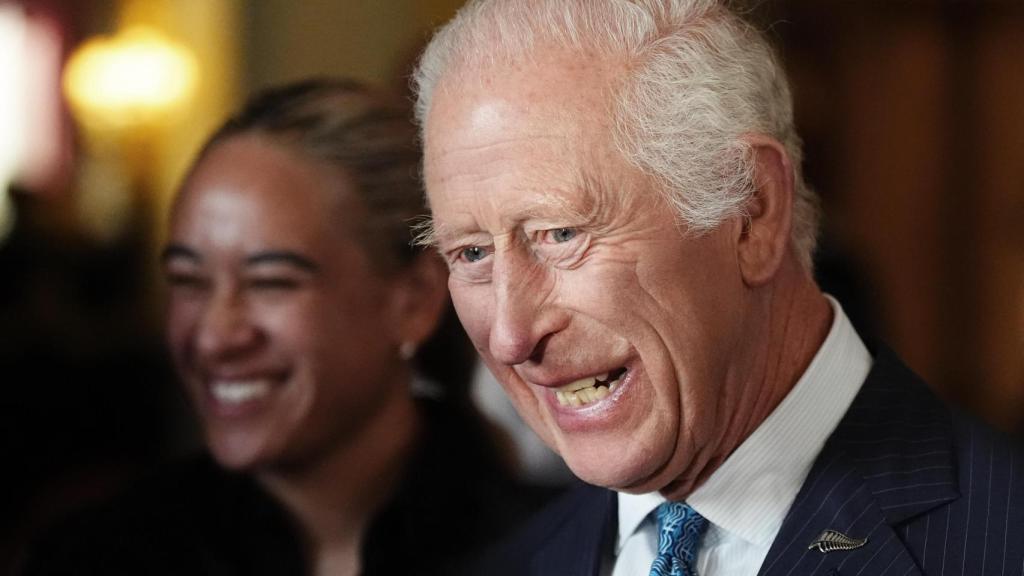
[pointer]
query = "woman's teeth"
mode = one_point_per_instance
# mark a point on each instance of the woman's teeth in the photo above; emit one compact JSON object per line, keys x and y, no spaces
{"x":588,"y":390}
{"x":239,"y":392}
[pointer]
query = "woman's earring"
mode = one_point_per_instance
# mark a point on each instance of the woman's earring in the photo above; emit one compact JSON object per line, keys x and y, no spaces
{"x":406,"y":350}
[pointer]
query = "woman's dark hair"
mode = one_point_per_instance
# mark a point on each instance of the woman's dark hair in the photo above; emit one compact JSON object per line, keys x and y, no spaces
{"x":369,"y":136}
{"x":364,"y":133}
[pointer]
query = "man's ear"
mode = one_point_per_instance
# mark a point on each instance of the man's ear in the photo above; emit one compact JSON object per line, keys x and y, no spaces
{"x":765,"y":236}
{"x":418,"y":299}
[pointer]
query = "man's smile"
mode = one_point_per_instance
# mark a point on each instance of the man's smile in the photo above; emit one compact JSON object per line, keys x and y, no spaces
{"x":590,"y":389}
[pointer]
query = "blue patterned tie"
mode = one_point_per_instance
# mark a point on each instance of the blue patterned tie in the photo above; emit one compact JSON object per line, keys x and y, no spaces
{"x":679,"y":530}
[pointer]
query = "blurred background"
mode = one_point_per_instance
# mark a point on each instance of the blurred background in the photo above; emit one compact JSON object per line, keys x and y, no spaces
{"x":910,"y":109}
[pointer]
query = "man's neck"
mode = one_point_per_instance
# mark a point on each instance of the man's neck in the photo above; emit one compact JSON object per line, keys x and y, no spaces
{"x":789,"y":321}
{"x":798,"y":320}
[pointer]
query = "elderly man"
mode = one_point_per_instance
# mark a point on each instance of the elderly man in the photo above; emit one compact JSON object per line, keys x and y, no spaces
{"x":616,"y":188}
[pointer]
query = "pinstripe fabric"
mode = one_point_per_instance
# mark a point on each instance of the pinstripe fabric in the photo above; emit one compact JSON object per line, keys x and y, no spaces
{"x":570,"y":539}
{"x":934,"y":494}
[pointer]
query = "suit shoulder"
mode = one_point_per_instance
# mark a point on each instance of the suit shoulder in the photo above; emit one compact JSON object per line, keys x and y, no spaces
{"x":938,"y":474}
{"x":988,"y":459}
{"x":581,"y":513}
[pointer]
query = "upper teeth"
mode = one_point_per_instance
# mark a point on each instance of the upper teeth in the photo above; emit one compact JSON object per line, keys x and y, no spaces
{"x":582,"y":383}
{"x":587,"y":390}
{"x":236,"y":392}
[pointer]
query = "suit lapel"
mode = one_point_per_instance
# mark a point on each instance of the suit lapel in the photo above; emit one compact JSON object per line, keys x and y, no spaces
{"x":889,"y":460}
{"x":576,"y":546}
{"x":835,"y":497}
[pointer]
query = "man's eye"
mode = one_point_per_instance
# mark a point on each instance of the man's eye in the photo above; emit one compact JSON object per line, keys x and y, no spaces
{"x":473,"y":254}
{"x":560,"y":235}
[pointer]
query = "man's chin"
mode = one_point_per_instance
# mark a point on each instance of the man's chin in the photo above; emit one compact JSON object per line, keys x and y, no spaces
{"x":626,"y":476}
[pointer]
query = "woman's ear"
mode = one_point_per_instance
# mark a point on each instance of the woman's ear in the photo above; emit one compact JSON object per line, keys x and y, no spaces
{"x":765,"y":235}
{"x":418,"y":299}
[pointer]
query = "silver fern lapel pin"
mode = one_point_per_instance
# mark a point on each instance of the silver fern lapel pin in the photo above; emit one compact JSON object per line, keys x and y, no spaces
{"x":831,"y":540}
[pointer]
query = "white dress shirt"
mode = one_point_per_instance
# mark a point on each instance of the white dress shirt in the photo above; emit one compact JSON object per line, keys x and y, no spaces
{"x":747,"y":498}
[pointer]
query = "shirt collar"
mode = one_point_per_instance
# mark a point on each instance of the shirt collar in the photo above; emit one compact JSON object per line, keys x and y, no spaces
{"x":751,"y":492}
{"x":633,"y":510}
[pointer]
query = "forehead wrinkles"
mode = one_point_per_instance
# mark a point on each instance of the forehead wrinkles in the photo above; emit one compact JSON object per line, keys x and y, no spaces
{"x":503,"y":108}
{"x":549,"y":193}
{"x":555,"y":86}
{"x":600,"y":190}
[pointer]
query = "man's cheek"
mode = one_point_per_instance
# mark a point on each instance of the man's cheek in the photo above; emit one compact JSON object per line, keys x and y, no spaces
{"x":528,"y":404}
{"x":473,"y":311}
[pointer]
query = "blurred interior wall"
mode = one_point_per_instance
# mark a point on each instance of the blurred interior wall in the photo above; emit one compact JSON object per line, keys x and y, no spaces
{"x":212,"y":30}
{"x":915,"y":139}
{"x":371,"y":41}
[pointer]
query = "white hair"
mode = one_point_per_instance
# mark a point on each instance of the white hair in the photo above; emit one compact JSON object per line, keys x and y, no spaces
{"x":699,"y":80}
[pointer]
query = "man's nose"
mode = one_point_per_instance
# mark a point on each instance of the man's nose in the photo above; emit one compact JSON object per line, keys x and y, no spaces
{"x":225,"y":329}
{"x":521,"y":320}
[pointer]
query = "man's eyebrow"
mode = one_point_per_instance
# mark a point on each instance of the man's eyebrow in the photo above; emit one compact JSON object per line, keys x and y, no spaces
{"x":424,"y":233}
{"x":562,"y":203}
{"x":548,"y":207}
{"x":282,"y":257}
{"x":431,"y":234}
{"x":176,"y":251}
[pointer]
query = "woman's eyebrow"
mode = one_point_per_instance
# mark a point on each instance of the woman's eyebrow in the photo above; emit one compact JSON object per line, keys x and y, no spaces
{"x":176,"y":251}
{"x":282,"y":257}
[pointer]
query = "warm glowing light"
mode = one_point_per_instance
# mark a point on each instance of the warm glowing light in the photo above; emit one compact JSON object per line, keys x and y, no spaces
{"x":7,"y":215}
{"x":12,"y":129}
{"x":136,"y":77}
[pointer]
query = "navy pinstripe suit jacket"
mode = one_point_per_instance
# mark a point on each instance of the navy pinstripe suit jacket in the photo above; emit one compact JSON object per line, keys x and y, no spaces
{"x":934,"y":494}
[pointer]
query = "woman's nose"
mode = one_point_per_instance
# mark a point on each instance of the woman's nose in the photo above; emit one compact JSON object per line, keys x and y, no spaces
{"x":225,"y":328}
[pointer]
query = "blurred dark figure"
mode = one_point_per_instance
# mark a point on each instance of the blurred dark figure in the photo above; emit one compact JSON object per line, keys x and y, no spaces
{"x":303,"y":326}
{"x":88,"y":398}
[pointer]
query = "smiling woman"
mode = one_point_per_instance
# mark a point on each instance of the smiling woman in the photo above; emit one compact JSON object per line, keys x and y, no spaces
{"x":296,"y":308}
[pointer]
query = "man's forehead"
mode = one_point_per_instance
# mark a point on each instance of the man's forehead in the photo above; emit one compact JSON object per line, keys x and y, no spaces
{"x":489,"y":114}
{"x":482,"y":124}
{"x":552,"y":84}
{"x":521,"y":144}
{"x":589,"y":197}
{"x":572,"y":198}
{"x":481,"y":118}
